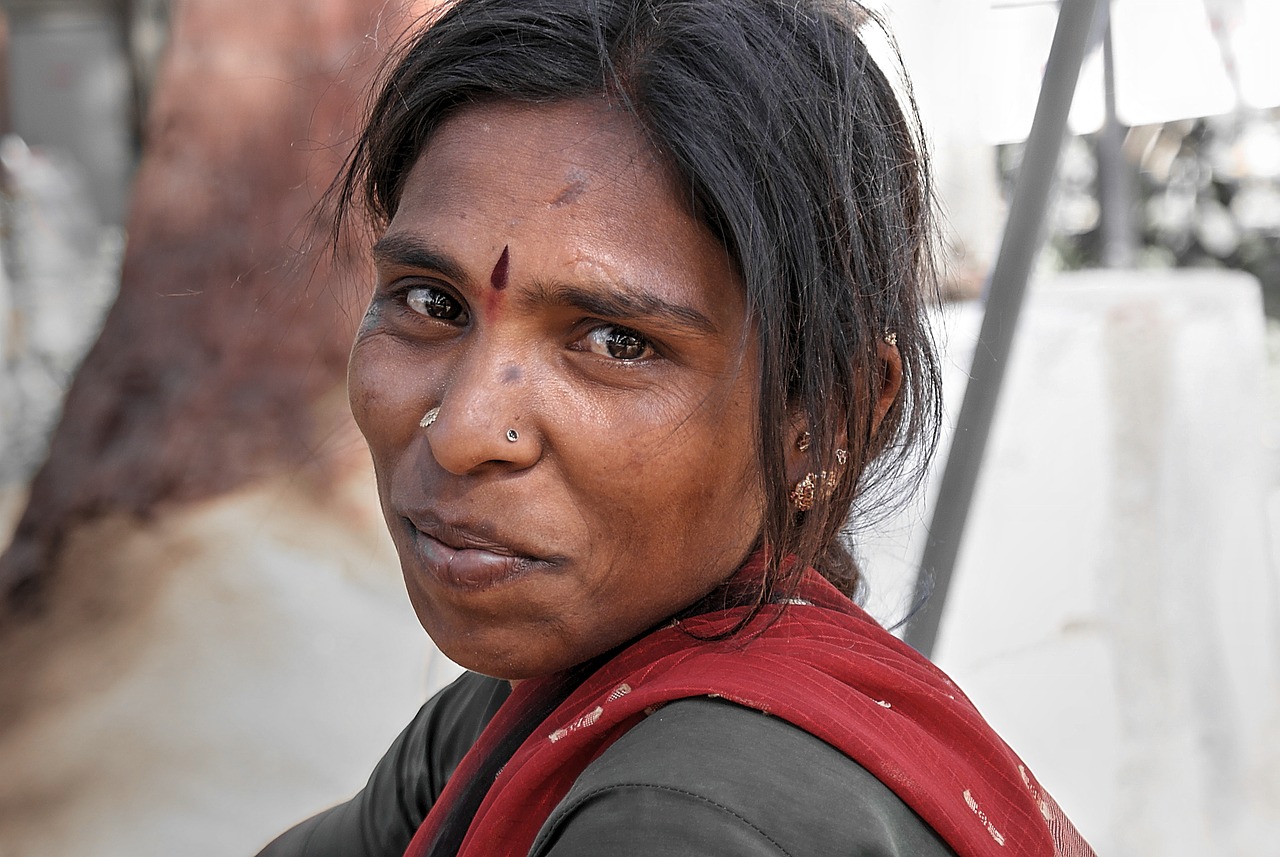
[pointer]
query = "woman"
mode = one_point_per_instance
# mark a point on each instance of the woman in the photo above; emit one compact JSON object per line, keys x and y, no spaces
{"x":647,"y":329}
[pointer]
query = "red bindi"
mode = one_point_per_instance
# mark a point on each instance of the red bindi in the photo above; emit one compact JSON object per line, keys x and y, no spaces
{"x":499,"y":276}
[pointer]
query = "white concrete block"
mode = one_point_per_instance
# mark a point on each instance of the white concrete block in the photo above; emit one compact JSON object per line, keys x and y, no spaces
{"x":1115,"y":608}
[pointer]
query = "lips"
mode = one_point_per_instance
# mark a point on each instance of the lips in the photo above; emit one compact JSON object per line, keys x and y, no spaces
{"x":460,"y":558}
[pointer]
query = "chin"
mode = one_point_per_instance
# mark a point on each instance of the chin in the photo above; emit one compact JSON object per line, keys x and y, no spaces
{"x":504,"y":653}
{"x":506,"y":667}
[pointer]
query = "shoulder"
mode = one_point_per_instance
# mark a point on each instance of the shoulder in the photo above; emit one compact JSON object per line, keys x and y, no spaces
{"x":449,"y":724}
{"x":705,"y":776}
{"x":383,"y":816}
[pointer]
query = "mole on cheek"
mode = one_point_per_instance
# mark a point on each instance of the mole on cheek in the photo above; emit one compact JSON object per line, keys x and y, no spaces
{"x":499,"y":276}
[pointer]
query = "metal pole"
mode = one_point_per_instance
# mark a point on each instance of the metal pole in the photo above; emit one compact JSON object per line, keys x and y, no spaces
{"x":1115,"y":194}
{"x":1019,"y":248}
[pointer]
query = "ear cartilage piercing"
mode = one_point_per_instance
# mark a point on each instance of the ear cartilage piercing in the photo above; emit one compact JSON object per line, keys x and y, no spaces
{"x":891,"y":337}
{"x":429,"y":417}
{"x":803,"y":443}
{"x":512,"y":436}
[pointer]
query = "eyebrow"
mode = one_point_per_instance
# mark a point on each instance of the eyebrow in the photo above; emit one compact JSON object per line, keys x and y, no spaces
{"x":412,"y":252}
{"x":606,"y":299}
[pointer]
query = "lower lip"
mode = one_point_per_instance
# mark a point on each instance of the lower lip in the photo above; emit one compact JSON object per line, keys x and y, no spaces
{"x":469,"y":568}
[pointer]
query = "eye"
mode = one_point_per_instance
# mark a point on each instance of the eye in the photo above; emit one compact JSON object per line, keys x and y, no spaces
{"x":620,"y":343}
{"x":435,"y":303}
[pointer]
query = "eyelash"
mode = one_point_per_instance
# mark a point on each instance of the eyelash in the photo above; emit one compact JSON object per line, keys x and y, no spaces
{"x":438,"y":304}
{"x":640,"y":340}
{"x":434,"y":298}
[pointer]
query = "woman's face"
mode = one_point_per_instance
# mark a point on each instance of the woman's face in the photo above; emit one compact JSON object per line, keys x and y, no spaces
{"x":593,"y":467}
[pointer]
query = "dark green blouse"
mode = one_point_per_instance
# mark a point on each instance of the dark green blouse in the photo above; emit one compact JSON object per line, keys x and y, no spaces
{"x":698,"y":777}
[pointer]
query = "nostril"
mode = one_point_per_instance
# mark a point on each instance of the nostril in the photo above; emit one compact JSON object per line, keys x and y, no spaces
{"x":463,"y":437}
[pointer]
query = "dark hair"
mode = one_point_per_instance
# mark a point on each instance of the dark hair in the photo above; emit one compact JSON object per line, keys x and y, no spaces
{"x":797,"y":154}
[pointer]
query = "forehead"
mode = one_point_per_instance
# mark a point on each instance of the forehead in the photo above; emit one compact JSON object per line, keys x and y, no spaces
{"x":578,"y":145}
{"x":576,"y":192}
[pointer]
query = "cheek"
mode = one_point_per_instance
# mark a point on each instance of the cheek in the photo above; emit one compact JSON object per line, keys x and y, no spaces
{"x":685,"y":486}
{"x":383,"y":391}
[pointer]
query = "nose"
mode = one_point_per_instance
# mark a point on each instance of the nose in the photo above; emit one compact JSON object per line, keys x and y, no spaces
{"x":485,"y":419}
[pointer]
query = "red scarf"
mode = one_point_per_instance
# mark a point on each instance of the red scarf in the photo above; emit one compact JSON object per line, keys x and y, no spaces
{"x":822,"y":665}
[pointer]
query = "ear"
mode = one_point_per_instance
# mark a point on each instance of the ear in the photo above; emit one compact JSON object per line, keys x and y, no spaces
{"x":890,"y":381}
{"x":890,"y":360}
{"x":797,"y":458}
{"x":797,"y":461}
